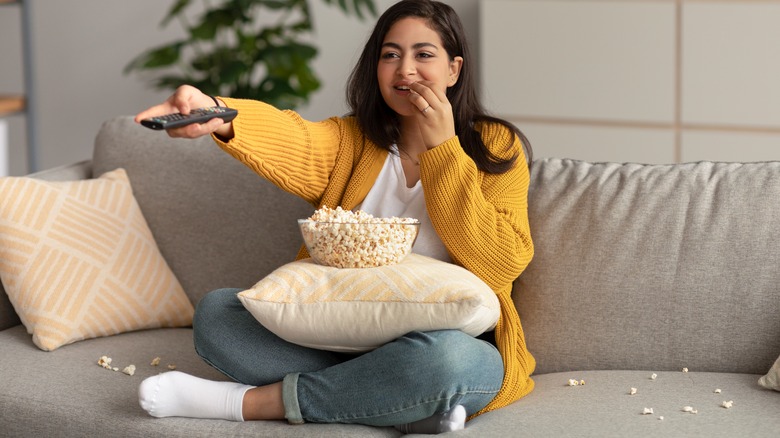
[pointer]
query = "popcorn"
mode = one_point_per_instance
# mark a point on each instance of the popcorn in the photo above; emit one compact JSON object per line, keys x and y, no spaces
{"x":333,"y":238}
{"x":685,"y":370}
{"x":129,"y":370}
{"x":661,"y":418}
{"x":582,"y":382}
{"x":632,"y":391}
{"x":105,"y":362}
{"x":647,"y":411}
{"x":155,"y":361}
{"x":717,"y":391}
{"x":653,"y":376}
{"x":727,"y":404}
{"x":573,"y":382}
{"x":171,"y":366}
{"x":689,"y":409}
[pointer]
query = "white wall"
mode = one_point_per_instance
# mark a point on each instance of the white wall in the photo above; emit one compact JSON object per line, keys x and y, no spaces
{"x":637,"y":80}
{"x":610,"y":80}
{"x":82,"y":46}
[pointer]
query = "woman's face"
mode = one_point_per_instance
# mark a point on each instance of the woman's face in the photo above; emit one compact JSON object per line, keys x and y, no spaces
{"x":413,"y":52}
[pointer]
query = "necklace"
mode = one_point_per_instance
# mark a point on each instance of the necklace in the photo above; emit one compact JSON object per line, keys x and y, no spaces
{"x":408,"y":157}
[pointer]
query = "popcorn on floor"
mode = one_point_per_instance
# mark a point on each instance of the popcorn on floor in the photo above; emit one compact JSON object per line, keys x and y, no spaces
{"x":105,"y":362}
{"x":129,"y":370}
{"x":727,"y":404}
{"x":155,"y":361}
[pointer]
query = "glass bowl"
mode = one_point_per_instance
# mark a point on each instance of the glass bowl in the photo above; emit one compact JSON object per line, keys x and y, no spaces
{"x":359,"y":245}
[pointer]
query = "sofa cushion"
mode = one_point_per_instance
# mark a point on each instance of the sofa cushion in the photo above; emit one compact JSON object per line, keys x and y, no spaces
{"x":78,"y":261}
{"x":653,"y":266}
{"x":359,"y":309}
{"x":237,"y":226}
{"x":604,"y":408}
{"x":65,"y":392}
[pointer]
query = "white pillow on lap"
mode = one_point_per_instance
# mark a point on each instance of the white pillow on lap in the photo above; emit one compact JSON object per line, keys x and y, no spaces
{"x":356,"y":310}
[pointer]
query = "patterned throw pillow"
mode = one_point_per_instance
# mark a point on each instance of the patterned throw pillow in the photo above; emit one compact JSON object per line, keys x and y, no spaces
{"x":359,"y":309}
{"x":78,"y":261}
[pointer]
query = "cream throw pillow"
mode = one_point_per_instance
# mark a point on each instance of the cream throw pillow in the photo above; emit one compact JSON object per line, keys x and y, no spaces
{"x":78,"y":261}
{"x":354,"y":310}
{"x":772,"y":379}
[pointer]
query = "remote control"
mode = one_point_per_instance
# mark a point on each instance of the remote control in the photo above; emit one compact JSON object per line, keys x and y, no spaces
{"x":200,"y":115}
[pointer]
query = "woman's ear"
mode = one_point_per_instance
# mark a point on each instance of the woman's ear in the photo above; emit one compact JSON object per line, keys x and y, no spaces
{"x":455,"y":65}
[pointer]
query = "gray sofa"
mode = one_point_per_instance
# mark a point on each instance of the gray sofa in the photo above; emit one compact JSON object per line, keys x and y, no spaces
{"x":639,"y":270}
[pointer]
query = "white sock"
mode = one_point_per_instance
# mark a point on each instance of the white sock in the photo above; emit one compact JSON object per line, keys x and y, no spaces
{"x":176,"y":394}
{"x":450,"y":421}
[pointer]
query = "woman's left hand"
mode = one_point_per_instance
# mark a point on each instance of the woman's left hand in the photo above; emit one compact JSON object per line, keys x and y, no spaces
{"x":435,"y":119}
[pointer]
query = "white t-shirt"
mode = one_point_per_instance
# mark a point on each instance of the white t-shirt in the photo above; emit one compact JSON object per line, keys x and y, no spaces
{"x":390,"y":197}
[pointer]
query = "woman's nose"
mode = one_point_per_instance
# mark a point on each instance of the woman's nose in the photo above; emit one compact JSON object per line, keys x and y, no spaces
{"x":407,"y":67}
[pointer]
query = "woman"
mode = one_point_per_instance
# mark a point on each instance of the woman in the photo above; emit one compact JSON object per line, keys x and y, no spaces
{"x":416,"y":143}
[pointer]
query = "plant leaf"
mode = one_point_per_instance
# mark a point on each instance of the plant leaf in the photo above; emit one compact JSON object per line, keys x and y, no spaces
{"x":278,"y":4}
{"x":368,"y":4}
{"x":211,"y":22}
{"x":156,"y":58}
{"x":175,"y":10}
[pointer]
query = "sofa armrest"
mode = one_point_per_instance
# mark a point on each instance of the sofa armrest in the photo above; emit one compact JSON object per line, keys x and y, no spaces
{"x":70,"y":172}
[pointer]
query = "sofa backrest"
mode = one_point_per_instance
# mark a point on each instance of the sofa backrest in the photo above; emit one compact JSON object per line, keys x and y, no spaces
{"x":653,"y":267}
{"x":216,"y":222}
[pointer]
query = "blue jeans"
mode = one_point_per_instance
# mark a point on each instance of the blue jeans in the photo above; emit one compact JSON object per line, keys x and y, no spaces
{"x":411,"y":378}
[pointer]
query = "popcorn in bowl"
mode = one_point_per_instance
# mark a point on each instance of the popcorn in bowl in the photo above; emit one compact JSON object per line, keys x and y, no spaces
{"x":347,"y":239}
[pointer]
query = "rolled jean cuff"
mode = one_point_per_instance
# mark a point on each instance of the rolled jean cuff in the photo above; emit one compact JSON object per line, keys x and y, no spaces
{"x":292,"y":410}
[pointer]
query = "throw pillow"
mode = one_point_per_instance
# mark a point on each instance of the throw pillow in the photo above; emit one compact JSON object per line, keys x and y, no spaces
{"x":772,"y":379}
{"x":359,"y":309}
{"x":78,"y":261}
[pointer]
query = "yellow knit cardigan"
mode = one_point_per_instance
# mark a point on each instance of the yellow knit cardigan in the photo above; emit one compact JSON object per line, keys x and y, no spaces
{"x":481,"y":218}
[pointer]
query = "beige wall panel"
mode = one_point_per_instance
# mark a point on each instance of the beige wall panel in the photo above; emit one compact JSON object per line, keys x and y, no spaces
{"x":731,"y":67}
{"x":579,"y":59}
{"x":730,"y":146}
{"x":595,"y":143}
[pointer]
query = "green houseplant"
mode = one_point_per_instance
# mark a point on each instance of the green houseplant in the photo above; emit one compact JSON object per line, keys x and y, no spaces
{"x":254,"y":49}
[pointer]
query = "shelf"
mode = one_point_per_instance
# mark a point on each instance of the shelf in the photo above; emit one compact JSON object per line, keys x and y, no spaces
{"x":11,"y":104}
{"x":24,"y":104}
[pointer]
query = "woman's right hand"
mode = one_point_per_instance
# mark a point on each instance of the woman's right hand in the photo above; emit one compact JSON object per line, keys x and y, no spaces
{"x":183,"y":100}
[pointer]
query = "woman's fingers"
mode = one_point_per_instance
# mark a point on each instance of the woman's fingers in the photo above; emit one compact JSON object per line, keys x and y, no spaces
{"x":196,"y":130}
{"x":157,"y":110}
{"x":437,"y":123}
{"x":183,"y":100}
{"x":424,"y":96}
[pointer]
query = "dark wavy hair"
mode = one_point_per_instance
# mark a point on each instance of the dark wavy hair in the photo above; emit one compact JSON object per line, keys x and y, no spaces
{"x":382,"y":125}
